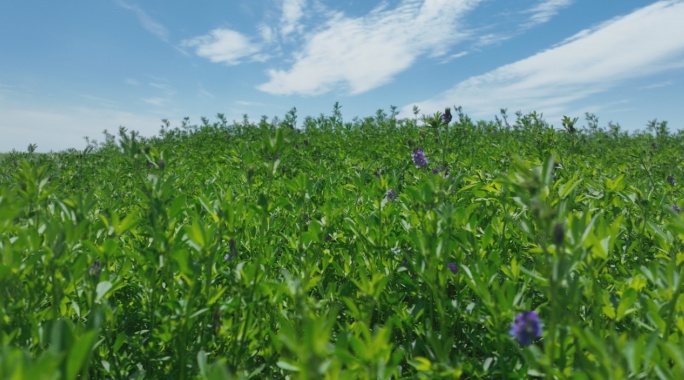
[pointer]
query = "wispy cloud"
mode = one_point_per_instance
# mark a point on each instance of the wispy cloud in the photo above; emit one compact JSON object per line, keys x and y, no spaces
{"x":658,"y":85}
{"x":147,"y":22}
{"x":591,"y":62}
{"x":245,"y":103}
{"x":366,"y":52}
{"x":100,"y":101}
{"x":222,"y":46}
{"x":544,"y":11}
{"x":492,"y":39}
{"x":202,"y":92}
{"x":267,"y":34}
{"x":455,"y":56}
{"x":156,"y":101}
{"x":293,"y":10}
{"x":162,"y":86}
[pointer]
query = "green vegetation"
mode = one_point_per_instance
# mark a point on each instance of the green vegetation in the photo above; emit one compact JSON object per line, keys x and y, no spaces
{"x":377,"y":248}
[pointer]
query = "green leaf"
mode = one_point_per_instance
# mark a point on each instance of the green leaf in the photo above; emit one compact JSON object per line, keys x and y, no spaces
{"x":202,"y":363}
{"x":102,"y":289}
{"x":421,"y":364}
{"x":129,"y":222}
{"x":608,"y":310}
{"x":288,"y":366}
{"x":79,"y":353}
{"x":628,"y":298}
{"x":195,"y":233}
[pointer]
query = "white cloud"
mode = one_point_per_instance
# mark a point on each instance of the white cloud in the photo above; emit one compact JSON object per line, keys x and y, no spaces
{"x":266,"y":33}
{"x":156,"y":101}
{"x":640,"y":44}
{"x":245,"y":103}
{"x":545,"y":10}
{"x":292,"y":13}
{"x":366,"y":52}
{"x":163,"y":87}
{"x":455,"y":56}
{"x":100,"y":101}
{"x":658,"y":85}
{"x":222,"y":46}
{"x":205,"y":94}
{"x":146,"y":21}
{"x":492,"y":39}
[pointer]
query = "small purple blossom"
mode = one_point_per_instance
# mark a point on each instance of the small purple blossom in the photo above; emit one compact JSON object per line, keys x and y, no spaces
{"x":96,"y":268}
{"x":526,"y":327}
{"x":671,"y":181}
{"x":391,"y":195}
{"x":453,"y":267}
{"x":440,"y":169}
{"x":676,"y":208}
{"x":419,"y":158}
{"x":227,"y":257}
{"x":446,"y":116}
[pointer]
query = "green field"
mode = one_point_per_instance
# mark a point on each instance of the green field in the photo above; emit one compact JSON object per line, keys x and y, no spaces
{"x":325,"y":248}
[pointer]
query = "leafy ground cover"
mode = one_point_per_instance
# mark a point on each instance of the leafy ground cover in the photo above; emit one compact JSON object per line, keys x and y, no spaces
{"x":377,"y":248}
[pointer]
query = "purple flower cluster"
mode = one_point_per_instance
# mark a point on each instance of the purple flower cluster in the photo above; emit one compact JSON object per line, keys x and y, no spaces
{"x":440,"y":169}
{"x":96,"y":268}
{"x":676,"y":208}
{"x":419,"y":158}
{"x":526,"y":328}
{"x":671,"y":181}
{"x":453,"y":267}
{"x":391,"y":195}
{"x":446,"y":116}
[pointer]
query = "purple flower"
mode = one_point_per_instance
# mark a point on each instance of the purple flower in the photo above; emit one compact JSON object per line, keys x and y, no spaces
{"x":446,"y":116}
{"x":227,"y":257}
{"x":453,"y":268}
{"x":96,"y":268}
{"x":676,"y":208}
{"x":419,"y":158}
{"x":440,"y":169}
{"x":526,"y":327}
{"x":391,"y":195}
{"x":671,"y":181}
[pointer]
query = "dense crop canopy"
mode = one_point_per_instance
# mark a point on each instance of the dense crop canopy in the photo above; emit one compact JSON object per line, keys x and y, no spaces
{"x":374,"y":249}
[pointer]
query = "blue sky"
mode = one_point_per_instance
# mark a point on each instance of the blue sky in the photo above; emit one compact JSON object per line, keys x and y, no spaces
{"x":70,"y":69}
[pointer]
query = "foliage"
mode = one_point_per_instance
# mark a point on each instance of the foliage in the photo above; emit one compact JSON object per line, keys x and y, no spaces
{"x":267,"y":251}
